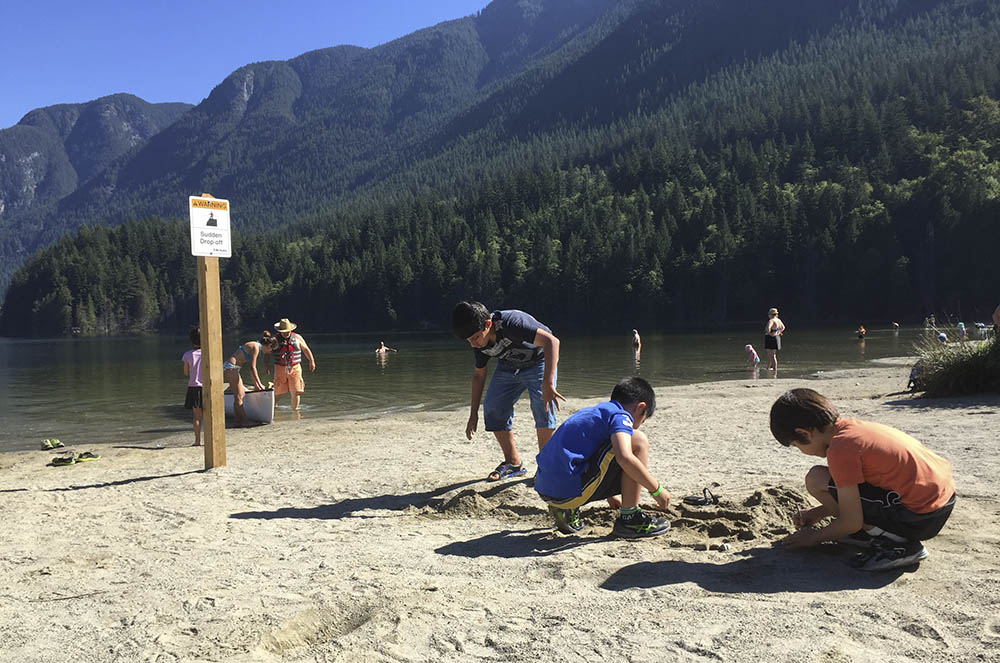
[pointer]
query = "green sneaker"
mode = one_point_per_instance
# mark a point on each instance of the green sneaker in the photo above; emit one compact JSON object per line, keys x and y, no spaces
{"x":640,"y":524}
{"x":567,"y":520}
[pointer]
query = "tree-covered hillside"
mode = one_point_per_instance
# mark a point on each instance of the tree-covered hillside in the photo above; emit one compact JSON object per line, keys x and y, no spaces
{"x":836,"y":159}
{"x":53,"y":150}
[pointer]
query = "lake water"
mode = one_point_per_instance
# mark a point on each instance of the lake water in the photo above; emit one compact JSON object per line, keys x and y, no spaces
{"x":131,"y":390}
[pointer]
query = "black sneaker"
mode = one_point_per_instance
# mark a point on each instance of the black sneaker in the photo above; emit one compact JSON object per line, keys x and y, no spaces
{"x":895,"y":556}
{"x":860,"y":539}
{"x":639,"y":524}
{"x":567,"y":520}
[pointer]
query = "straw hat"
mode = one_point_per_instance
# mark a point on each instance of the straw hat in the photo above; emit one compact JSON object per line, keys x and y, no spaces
{"x":772,"y":311}
{"x":285,"y":325}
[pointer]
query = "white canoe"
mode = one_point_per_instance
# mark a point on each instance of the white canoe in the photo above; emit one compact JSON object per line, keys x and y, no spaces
{"x":259,"y":405}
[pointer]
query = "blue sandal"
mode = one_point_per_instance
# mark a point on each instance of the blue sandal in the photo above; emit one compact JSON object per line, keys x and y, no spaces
{"x":506,"y":470}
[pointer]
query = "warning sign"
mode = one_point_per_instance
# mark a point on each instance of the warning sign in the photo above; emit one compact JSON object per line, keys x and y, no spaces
{"x":210,"y":227}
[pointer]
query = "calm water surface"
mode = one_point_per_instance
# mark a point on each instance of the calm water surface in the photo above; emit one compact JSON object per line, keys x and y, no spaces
{"x":127,"y":390}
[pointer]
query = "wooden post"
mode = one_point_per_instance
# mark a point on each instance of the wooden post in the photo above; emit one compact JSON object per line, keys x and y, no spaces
{"x":210,"y":319}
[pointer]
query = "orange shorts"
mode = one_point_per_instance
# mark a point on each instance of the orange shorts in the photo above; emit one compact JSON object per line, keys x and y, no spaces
{"x":286,"y":379}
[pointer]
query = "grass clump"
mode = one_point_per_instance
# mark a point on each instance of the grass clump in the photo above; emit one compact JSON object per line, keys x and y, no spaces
{"x":956,"y":369}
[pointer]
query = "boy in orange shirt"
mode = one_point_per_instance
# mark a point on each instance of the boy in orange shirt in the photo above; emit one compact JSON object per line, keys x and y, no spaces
{"x":884,"y":490}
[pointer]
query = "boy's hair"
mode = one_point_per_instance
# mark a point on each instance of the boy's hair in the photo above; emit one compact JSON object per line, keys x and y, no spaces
{"x":635,"y":390}
{"x":268,"y":339}
{"x":800,"y":408}
{"x":467,"y":318}
{"x":195,"y":336}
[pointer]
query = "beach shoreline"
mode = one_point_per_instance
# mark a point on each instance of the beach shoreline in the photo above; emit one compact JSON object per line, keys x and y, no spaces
{"x":376,"y":539}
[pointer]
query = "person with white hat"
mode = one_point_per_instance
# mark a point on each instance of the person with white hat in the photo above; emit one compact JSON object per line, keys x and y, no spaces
{"x":288,"y":362}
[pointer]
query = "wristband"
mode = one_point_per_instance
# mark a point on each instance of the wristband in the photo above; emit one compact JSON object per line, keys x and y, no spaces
{"x":659,"y":489}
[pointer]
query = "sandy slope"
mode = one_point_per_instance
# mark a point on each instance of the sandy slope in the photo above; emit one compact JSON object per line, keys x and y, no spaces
{"x":375,"y":541}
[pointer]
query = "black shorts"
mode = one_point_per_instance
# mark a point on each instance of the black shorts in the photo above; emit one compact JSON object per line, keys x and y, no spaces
{"x":602,"y":479}
{"x":882,"y":508}
{"x":772,"y":342}
{"x":192,"y":399}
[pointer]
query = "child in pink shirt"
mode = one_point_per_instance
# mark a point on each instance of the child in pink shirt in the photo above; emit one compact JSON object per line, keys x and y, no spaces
{"x":192,"y":369}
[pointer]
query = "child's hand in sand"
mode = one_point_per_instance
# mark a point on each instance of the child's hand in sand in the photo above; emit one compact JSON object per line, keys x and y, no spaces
{"x":807,"y":517}
{"x":802,"y":538}
{"x":663,"y":499}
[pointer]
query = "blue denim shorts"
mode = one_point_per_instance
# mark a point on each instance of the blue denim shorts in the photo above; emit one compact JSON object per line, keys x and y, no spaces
{"x":506,"y":387}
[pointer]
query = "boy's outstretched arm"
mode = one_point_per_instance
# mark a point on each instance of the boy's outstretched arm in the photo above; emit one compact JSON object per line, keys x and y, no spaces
{"x":478,"y":382}
{"x":550,"y":344}
{"x":849,"y":520}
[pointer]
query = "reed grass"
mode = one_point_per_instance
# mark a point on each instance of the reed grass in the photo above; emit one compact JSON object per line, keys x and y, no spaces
{"x":957,"y":369}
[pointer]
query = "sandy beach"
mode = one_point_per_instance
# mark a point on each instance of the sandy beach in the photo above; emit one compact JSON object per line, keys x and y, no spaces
{"x":378,"y":540}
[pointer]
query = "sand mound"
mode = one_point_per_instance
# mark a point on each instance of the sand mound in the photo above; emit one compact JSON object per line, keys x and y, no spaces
{"x":764,"y":514}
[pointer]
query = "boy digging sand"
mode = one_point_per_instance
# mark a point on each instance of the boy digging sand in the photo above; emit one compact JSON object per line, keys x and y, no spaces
{"x":527,"y":354}
{"x":597,"y":454}
{"x":884,"y":490}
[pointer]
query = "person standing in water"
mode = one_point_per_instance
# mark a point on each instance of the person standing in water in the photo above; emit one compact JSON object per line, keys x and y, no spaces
{"x":288,"y":362}
{"x":772,"y":339}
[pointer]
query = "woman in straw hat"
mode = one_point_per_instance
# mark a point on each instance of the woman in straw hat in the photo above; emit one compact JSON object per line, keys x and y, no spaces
{"x":288,"y":362}
{"x":772,"y":339}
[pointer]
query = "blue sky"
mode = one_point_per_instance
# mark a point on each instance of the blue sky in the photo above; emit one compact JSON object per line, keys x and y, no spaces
{"x":61,"y":51}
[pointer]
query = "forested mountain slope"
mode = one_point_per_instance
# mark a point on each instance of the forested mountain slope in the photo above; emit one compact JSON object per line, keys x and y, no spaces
{"x":53,"y":150}
{"x":662,"y":162}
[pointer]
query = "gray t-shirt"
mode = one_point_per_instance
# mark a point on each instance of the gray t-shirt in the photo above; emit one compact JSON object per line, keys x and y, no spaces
{"x":515,"y":331}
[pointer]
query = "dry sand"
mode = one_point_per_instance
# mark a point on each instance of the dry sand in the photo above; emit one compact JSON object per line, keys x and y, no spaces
{"x":376,"y":540}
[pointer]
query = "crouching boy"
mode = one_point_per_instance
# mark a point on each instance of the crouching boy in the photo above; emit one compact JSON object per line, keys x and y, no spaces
{"x":597,"y":454}
{"x":885,"y":491}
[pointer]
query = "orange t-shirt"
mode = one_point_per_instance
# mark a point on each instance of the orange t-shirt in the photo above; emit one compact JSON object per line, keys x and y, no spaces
{"x":866,"y":452}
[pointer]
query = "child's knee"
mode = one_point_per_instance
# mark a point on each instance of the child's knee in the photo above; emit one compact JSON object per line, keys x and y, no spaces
{"x":640,"y":444}
{"x":817,"y":478}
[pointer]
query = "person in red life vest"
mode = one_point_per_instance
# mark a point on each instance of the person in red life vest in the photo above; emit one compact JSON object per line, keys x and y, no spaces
{"x":288,"y":362}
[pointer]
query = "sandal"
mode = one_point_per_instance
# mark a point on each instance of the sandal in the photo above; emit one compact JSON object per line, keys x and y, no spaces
{"x":63,"y":460}
{"x":506,"y":470}
{"x":86,"y":455}
{"x":704,"y":499}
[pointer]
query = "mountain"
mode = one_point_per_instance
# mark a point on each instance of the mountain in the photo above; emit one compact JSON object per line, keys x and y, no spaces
{"x":54,"y":150}
{"x":610,"y":149}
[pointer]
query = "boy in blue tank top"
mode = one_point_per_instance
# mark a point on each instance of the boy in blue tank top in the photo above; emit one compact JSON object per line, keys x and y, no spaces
{"x":597,"y":454}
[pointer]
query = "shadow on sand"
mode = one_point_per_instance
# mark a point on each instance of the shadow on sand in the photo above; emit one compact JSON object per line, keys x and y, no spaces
{"x":510,"y":544}
{"x":122,"y":482}
{"x":352,"y":507}
{"x":765,"y":570}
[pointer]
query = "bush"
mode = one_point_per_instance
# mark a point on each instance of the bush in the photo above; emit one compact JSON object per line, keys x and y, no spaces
{"x":954,"y":369}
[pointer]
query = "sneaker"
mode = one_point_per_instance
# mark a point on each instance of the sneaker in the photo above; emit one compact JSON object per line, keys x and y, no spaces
{"x":860,"y":539}
{"x":639,"y":524}
{"x":895,"y":556}
{"x":64,"y":460}
{"x":567,"y":520}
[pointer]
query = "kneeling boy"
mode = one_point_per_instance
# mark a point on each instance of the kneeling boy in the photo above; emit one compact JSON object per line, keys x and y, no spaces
{"x":884,"y":490}
{"x":597,"y":454}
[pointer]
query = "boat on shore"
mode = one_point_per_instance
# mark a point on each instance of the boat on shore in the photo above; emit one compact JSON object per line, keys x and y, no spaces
{"x":259,"y":405}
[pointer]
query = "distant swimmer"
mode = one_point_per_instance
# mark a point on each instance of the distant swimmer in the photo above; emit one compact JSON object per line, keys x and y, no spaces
{"x":383,"y":348}
{"x":862,"y":332}
{"x":636,"y":341}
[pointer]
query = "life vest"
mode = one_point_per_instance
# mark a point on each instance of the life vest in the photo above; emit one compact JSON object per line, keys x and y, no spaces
{"x":288,"y":353}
